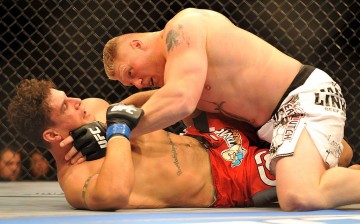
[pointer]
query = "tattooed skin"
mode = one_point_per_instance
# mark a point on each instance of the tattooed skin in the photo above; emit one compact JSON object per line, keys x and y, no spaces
{"x":224,"y":112}
{"x":174,"y":155}
{"x":171,"y":40}
{"x":174,"y":38}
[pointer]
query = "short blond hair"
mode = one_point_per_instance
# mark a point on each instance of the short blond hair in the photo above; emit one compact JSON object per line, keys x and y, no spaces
{"x":109,"y":54}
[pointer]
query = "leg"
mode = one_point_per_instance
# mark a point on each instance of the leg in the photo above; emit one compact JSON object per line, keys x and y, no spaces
{"x":346,"y":155}
{"x":304,"y":183}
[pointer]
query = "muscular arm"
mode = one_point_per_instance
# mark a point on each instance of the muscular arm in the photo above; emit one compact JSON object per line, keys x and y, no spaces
{"x":139,"y":99}
{"x":112,"y":187}
{"x":184,"y":76}
{"x":112,"y":177}
{"x":116,"y":178}
{"x":103,"y":184}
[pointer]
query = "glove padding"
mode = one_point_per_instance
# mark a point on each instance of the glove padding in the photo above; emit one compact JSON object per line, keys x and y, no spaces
{"x":90,"y":140}
{"x":121,"y":119}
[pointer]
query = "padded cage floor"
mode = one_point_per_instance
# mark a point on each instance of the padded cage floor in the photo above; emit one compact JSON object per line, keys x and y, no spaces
{"x":44,"y":202}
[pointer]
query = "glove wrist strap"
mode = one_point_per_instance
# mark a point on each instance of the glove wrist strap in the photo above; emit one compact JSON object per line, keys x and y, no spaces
{"x":118,"y":129}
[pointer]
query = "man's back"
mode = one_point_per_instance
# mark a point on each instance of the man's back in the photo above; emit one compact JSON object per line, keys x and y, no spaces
{"x":239,"y":64}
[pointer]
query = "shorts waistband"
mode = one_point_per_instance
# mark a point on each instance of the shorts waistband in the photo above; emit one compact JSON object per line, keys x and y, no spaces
{"x":299,"y":80}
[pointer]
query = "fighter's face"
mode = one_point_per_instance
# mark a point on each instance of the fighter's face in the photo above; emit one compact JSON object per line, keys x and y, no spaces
{"x":133,"y":67}
{"x":68,"y":113}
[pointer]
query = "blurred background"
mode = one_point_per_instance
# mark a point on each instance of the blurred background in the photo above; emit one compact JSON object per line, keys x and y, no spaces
{"x":63,"y":41}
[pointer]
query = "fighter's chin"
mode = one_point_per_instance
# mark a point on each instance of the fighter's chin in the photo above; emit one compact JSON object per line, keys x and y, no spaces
{"x":87,"y":120}
{"x":88,"y":117}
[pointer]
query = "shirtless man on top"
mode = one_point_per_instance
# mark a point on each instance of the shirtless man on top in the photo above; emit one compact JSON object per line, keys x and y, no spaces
{"x":202,"y":60}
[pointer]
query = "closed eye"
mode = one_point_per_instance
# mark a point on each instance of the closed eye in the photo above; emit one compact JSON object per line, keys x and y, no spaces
{"x":130,"y":74}
{"x":64,"y":107}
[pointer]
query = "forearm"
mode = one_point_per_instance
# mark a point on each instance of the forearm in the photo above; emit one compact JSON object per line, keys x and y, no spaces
{"x":162,"y":110}
{"x":116,"y":178}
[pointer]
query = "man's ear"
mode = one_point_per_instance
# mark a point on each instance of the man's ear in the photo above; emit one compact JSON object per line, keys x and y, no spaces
{"x":137,"y":44}
{"x":51,"y":135}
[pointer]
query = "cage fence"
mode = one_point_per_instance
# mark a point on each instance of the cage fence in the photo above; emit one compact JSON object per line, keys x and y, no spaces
{"x":63,"y":41}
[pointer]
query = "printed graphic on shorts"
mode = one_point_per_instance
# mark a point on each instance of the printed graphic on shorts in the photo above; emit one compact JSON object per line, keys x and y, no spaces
{"x":262,"y":160}
{"x":286,"y":121}
{"x":236,"y":152}
{"x":331,"y":98}
{"x":334,"y":148}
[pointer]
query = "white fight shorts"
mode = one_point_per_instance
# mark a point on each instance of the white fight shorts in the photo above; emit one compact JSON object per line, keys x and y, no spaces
{"x":317,"y":105}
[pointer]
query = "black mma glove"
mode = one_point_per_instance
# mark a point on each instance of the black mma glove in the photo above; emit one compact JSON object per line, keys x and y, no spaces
{"x":90,"y":140}
{"x":121,"y":119}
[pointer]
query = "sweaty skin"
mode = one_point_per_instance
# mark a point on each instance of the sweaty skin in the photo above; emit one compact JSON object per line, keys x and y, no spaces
{"x":162,"y":171}
{"x":204,"y":61}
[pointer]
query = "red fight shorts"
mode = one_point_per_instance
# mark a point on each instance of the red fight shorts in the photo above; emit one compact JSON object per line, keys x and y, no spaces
{"x":239,"y":170}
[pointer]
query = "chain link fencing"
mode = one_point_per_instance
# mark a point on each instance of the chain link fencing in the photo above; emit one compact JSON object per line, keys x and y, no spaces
{"x":63,"y":41}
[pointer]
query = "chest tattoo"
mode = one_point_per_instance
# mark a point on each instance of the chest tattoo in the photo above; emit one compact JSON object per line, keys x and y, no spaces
{"x":174,"y":155}
{"x":219,"y":108}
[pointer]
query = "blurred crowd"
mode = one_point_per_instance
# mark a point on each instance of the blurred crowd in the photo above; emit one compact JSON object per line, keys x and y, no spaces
{"x":16,"y":165}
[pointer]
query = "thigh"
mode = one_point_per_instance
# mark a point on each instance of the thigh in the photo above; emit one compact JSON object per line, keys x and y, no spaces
{"x":302,"y":171}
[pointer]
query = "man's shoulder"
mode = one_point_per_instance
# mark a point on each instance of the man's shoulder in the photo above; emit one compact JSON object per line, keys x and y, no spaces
{"x":186,"y":14}
{"x":187,"y":20}
{"x":189,"y":11}
{"x":97,"y":107}
{"x":90,"y":101}
{"x":95,"y":104}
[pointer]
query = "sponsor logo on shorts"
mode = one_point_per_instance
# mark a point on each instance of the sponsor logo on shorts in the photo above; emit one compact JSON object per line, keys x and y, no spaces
{"x":331,"y":98}
{"x":334,"y":149}
{"x":236,"y":152}
{"x":286,"y":123}
{"x":262,"y":160}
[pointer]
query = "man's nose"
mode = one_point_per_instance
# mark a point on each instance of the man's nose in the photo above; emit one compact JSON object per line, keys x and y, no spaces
{"x":76,"y":102}
{"x":137,"y":83}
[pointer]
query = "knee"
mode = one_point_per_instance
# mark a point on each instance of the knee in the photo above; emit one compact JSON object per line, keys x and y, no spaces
{"x":294,"y":201}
